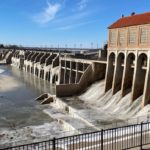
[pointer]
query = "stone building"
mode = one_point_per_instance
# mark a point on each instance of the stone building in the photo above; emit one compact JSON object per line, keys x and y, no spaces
{"x":128,"y":67}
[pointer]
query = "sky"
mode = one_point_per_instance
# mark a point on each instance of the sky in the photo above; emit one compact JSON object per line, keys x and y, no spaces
{"x":62,"y":23}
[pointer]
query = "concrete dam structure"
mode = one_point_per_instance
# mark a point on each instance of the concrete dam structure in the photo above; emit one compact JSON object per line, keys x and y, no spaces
{"x":127,"y":68}
{"x":77,"y":74}
{"x":70,"y":74}
{"x":38,"y":63}
{"x":128,"y":57}
{"x":94,"y":88}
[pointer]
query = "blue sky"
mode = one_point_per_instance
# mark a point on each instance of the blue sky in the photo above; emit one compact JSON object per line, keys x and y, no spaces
{"x":60,"y":22}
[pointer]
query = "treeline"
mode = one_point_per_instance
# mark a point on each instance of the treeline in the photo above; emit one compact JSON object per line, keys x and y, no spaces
{"x":10,"y":46}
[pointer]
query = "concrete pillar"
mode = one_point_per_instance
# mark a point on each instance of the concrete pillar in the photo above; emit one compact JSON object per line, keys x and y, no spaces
{"x":60,"y":73}
{"x":118,"y":74}
{"x":49,"y":75}
{"x":109,"y":72}
{"x":64,"y":73}
{"x":25,"y":67}
{"x":77,"y":68}
{"x":70,"y":75}
{"x":146,"y":95}
{"x":37,"y":72}
{"x":128,"y":74}
{"x":67,"y":72}
{"x":83,"y":66}
{"x":73,"y":72}
{"x":42,"y":74}
{"x":45,"y":74}
{"x":34,"y":70}
{"x":39,"y":75}
{"x":61,"y":76}
{"x":139,"y":78}
{"x":29,"y":68}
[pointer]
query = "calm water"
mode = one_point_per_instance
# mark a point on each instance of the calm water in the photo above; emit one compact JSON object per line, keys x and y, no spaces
{"x":17,"y":93}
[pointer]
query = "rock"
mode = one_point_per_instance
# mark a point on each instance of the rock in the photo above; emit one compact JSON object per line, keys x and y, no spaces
{"x":48,"y":100}
{"x":41,"y":97}
{"x":2,"y":135}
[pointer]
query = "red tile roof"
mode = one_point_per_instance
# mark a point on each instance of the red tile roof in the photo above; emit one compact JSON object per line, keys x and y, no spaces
{"x":131,"y":21}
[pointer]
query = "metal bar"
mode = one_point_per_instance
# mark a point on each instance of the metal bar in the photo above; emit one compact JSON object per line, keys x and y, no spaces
{"x":141,"y":136}
{"x":102,"y":139}
{"x":54,"y":144}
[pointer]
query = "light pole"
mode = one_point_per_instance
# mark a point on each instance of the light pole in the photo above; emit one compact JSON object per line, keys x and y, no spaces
{"x":91,"y":45}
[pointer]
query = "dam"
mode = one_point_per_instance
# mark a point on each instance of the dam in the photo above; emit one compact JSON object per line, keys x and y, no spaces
{"x":98,"y":88}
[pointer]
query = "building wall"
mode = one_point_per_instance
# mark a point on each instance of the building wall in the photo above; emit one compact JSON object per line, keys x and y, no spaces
{"x":128,"y":67}
{"x":130,"y":38}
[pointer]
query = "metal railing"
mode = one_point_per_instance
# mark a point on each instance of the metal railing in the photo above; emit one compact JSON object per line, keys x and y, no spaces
{"x":120,"y":138}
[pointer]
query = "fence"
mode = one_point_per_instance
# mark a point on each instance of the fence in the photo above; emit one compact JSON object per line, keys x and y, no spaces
{"x":120,"y":138}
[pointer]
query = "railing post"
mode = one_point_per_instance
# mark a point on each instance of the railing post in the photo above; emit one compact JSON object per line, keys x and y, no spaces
{"x":102,"y":139}
{"x":54,"y":144}
{"x":141,"y":142}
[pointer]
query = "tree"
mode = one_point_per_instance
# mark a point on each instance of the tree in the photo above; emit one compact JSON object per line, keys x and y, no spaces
{"x":1,"y":46}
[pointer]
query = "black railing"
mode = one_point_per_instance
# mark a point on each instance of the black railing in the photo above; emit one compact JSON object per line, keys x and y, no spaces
{"x":120,"y":138}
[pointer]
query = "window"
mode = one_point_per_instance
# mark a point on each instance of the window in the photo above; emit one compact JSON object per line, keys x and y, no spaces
{"x":113,"y":37}
{"x":144,"y":35}
{"x":122,"y":38}
{"x":132,"y":37}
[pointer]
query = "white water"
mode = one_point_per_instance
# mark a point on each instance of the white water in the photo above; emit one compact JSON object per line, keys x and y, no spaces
{"x":103,"y":109}
{"x":1,"y":71}
{"x":30,"y":134}
{"x":113,"y":106}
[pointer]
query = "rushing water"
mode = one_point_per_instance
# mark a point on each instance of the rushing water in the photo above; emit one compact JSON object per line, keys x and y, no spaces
{"x":18,"y":91}
{"x":101,"y":108}
{"x":115,"y":105}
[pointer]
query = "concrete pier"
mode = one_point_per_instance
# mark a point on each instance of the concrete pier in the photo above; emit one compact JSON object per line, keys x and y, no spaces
{"x":128,"y":77}
{"x":77,"y":74}
{"x":71,"y":75}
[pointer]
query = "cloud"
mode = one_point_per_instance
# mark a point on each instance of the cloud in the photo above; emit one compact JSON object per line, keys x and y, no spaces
{"x":48,"y":14}
{"x":72,"y":17}
{"x":82,"y":4}
{"x":71,"y":26}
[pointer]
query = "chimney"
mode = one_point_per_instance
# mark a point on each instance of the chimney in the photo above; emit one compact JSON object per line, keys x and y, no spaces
{"x":133,"y":13}
{"x":122,"y":16}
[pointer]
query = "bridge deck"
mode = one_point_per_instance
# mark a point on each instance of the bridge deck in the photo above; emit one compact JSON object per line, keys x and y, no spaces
{"x":85,"y":60}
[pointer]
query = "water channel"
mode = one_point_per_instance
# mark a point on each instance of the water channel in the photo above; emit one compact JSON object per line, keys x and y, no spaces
{"x":18,"y":91}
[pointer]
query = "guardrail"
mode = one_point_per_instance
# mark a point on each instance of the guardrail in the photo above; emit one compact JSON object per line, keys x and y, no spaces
{"x":120,"y":138}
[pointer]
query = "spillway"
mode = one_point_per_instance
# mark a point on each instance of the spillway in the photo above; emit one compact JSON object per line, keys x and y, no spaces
{"x":115,"y":105}
{"x":101,"y":108}
{"x":109,"y":103}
